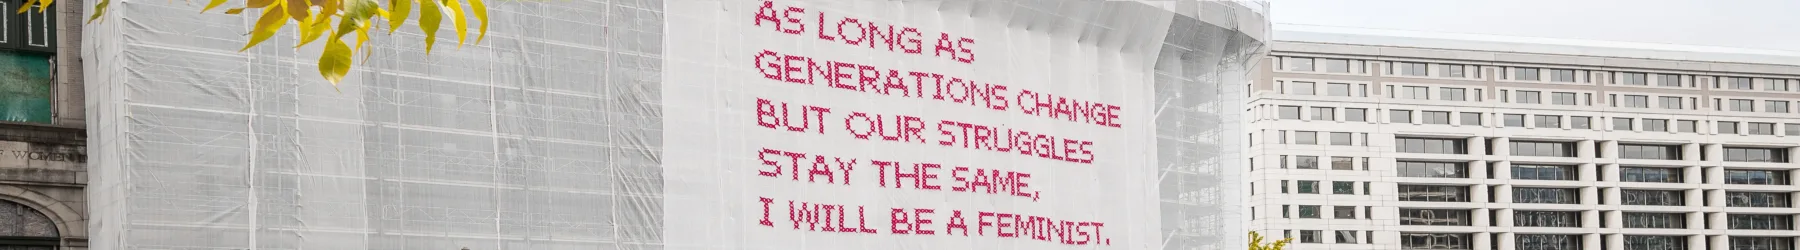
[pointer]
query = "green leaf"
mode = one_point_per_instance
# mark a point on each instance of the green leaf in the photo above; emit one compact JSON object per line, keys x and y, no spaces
{"x":334,"y":63}
{"x":481,"y":14}
{"x":272,"y":20}
{"x":399,"y":11}
{"x":462,"y":21}
{"x":213,"y":4}
{"x":99,"y":9}
{"x":430,"y":16}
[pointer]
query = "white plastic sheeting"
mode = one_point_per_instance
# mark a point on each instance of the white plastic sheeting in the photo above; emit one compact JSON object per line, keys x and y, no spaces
{"x":624,"y":124}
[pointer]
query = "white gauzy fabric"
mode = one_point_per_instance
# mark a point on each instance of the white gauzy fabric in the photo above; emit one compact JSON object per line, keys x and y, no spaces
{"x":642,"y":124}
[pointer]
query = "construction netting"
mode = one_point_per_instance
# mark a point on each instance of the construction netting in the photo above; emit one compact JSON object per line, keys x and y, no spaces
{"x":692,"y":124}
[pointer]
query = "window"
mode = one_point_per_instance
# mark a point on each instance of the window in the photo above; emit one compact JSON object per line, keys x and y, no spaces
{"x":1656,"y":125}
{"x":1310,"y":236}
{"x":1656,"y":242}
{"x":1452,"y":71}
{"x":1641,"y":197}
{"x":1728,"y":128}
{"x":1439,"y":241}
{"x":1337,"y":89}
{"x":1543,"y":172}
{"x":1633,"y":79}
{"x":1652,"y":152}
{"x":1549,"y":121}
{"x":1542,"y":148}
{"x":1650,"y":174}
{"x":1562,"y":98}
{"x":1343,"y":187}
{"x":1399,"y":116}
{"x":1636,"y":101}
{"x":1667,"y":80}
{"x":1761,"y":243}
{"x":1758,"y":199}
{"x":1323,"y":113}
{"x":1756,"y":154}
{"x":1284,"y":188}
{"x":1306,"y":162}
{"x":1514,"y":120}
{"x":1337,"y":65}
{"x":1776,"y":106}
{"x":1290,"y":112}
{"x":1762,"y":128}
{"x":1308,"y":187}
{"x":1281,"y":138}
{"x":1529,"y":218}
{"x":1432,"y":169}
{"x":1760,"y":221}
{"x":1416,"y":92}
{"x":1342,"y":163}
{"x":1355,"y":115}
{"x":1686,"y":126}
{"x":1562,"y":75}
{"x":1430,"y":145}
{"x":1756,"y":177}
{"x":1302,"y":88}
{"x":1306,"y":137}
{"x":1346,"y":236}
{"x":1655,"y":220}
{"x":1436,"y":117}
{"x":1581,"y":122}
{"x":1741,"y":83}
{"x":1343,"y":212}
{"x":1777,"y":85}
{"x":1452,"y":94}
{"x":1621,"y":124}
{"x":1525,"y":74}
{"x":1429,"y":193}
{"x":1546,"y":195}
{"x":1340,"y":138}
{"x":1527,"y":97}
{"x":1434,"y":217}
{"x":1743,"y":105}
{"x":23,"y":227}
{"x":1300,"y":64}
{"x":1547,"y":242}
{"x":1792,"y":129}
{"x":1309,"y":211}
{"x":1411,"y":69}
{"x":1669,"y":102}
{"x":1471,"y":119}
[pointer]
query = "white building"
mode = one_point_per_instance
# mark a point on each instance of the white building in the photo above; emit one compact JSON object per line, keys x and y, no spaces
{"x":1424,"y":143}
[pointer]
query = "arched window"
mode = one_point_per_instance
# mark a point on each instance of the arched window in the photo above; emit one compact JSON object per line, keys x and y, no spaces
{"x":24,"y":228}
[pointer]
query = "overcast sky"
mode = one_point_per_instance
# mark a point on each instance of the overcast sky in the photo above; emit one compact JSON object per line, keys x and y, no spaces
{"x":1754,"y":24}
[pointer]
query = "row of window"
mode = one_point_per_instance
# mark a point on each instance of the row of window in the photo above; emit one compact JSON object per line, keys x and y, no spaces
{"x":1539,"y":97}
{"x":1436,"y":169}
{"x":1312,"y":212}
{"x":1534,"y":74}
{"x":1635,"y":197}
{"x":1538,"y":121}
{"x":1315,"y":236}
{"x":1312,"y":138}
{"x":1312,"y":187}
{"x":1430,"y":145}
{"x":1463,"y":241}
{"x":1312,"y":162}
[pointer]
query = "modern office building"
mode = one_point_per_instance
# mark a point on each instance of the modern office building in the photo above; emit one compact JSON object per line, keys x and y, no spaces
{"x":1366,"y":142}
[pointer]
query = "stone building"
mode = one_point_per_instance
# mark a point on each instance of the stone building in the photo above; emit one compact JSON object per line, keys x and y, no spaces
{"x":43,"y":135}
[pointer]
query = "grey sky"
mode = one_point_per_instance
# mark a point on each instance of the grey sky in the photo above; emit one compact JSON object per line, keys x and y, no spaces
{"x":1754,"y":24}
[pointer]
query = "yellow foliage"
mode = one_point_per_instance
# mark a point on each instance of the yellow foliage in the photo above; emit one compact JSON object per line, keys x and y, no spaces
{"x":313,"y":18}
{"x":1256,"y":242}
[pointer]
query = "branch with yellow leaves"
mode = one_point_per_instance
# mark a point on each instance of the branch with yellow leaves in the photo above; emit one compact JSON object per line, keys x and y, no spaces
{"x":315,"y":19}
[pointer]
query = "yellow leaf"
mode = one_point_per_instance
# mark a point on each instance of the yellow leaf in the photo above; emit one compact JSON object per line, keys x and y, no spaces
{"x":312,"y":28}
{"x":213,"y":4}
{"x":272,"y":20}
{"x":462,"y":21}
{"x":328,"y":8}
{"x":258,"y":3}
{"x":481,"y":14}
{"x":362,"y":35}
{"x":26,"y":6}
{"x":297,"y":9}
{"x":334,"y":63}
{"x":44,"y":5}
{"x":430,"y":16}
{"x":99,"y":9}
{"x":234,"y":11}
{"x":396,"y":17}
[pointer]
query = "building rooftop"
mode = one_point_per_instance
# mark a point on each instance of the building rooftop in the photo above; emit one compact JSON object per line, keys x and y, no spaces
{"x":1535,"y":45}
